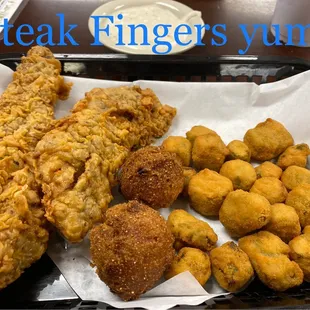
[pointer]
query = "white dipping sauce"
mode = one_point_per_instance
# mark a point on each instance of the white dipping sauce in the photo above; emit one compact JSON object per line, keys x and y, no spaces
{"x":150,"y":16}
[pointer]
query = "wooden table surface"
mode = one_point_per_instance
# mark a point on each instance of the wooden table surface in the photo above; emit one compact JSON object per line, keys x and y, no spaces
{"x":229,"y":12}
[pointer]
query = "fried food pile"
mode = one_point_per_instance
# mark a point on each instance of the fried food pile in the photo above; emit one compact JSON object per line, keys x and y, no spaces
{"x":78,"y":160}
{"x":131,"y":249}
{"x":26,"y":114}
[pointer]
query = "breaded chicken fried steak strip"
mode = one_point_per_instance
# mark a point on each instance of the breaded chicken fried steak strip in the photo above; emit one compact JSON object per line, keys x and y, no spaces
{"x":26,"y":114}
{"x":77,"y":161}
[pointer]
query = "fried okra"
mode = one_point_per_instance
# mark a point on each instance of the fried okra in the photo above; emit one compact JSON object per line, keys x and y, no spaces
{"x":300,"y":253}
{"x":296,"y":155}
{"x":268,"y":140}
{"x":209,"y":151}
{"x":284,"y":222}
{"x":241,"y":173}
{"x":299,"y":199}
{"x":271,"y":188}
{"x":193,"y":260}
{"x":231,"y":267}
{"x":190,"y":231}
{"x":197,"y":131}
{"x":269,"y":256}
{"x":131,"y":249}
{"x":239,"y":150}
{"x":294,"y":176}
{"x":180,"y":146}
{"x":243,"y":212}
{"x":152,"y":176}
{"x":268,"y":169}
{"x":188,"y":173}
{"x":207,"y":191}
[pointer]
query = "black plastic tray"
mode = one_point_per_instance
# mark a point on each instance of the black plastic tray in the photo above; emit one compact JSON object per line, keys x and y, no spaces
{"x":23,"y":294}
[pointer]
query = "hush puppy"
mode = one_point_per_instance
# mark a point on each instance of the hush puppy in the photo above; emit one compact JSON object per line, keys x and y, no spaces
{"x":207,"y":191}
{"x":296,"y":155}
{"x":241,"y":173}
{"x":269,"y":256}
{"x":152,"y":176}
{"x":193,"y":260}
{"x":268,"y":140}
{"x":294,"y":176}
{"x":180,"y":146}
{"x":268,"y":169}
{"x":190,"y":231}
{"x":209,"y":151}
{"x":243,"y":212}
{"x":239,"y":150}
{"x":231,"y":267}
{"x":197,"y":131}
{"x":300,"y":253}
{"x":131,"y":249}
{"x":306,"y":230}
{"x":284,"y":222}
{"x":271,"y":188}
{"x":188,"y":173}
{"x":299,"y":199}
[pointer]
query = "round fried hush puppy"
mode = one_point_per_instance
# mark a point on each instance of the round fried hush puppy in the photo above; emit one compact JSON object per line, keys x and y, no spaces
{"x":294,"y":156}
{"x":268,"y":140}
{"x":180,"y":146}
{"x":193,"y":260}
{"x":239,"y":150}
{"x":299,"y":199}
{"x":209,"y":151}
{"x":269,"y":256}
{"x":241,"y":173}
{"x":268,"y":169}
{"x":231,"y":267}
{"x":271,"y":188}
{"x":207,"y":191}
{"x":190,"y":231}
{"x":284,"y":222}
{"x":294,"y":176}
{"x":131,"y":249}
{"x":188,"y":173}
{"x":300,"y":253}
{"x":197,"y":131}
{"x":306,"y":230}
{"x":243,"y":212}
{"x":152,"y":176}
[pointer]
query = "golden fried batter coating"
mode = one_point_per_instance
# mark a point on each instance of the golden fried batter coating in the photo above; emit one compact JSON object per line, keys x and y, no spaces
{"x":269,"y":256}
{"x":197,"y":131}
{"x":294,"y":156}
{"x":268,"y":140}
{"x":299,"y":199}
{"x":193,"y":260}
{"x":207,"y":191}
{"x":294,"y":176}
{"x":190,"y":231}
{"x":231,"y":267}
{"x":131,"y":249}
{"x":209,"y":151}
{"x":300,"y":253}
{"x":271,"y":188}
{"x":284,"y":222}
{"x":239,"y":150}
{"x":306,"y":230}
{"x":243,"y":212}
{"x":180,"y":146}
{"x":268,"y":169}
{"x":188,"y":173}
{"x":241,"y":173}
{"x":152,"y":176}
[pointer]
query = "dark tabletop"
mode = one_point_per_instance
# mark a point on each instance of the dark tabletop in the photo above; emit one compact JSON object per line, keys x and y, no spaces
{"x":229,"y":12}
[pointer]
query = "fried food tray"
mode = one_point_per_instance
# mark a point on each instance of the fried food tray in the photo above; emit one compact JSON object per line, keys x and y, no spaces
{"x":42,"y":286}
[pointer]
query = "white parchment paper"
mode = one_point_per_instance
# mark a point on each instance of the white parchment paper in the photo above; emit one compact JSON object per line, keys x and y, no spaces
{"x":228,"y":108}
